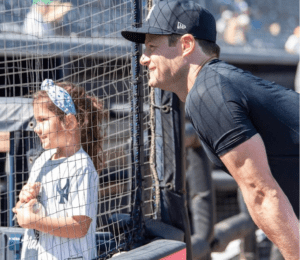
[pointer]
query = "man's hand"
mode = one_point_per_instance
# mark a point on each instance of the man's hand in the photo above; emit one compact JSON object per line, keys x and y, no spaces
{"x":25,"y":215}
{"x":29,"y":191}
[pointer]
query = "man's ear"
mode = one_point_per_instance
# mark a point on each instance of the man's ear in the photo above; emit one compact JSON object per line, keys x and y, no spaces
{"x":187,"y":44}
{"x":70,"y":122}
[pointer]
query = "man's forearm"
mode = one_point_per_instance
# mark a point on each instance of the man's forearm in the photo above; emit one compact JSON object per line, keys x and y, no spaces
{"x":273,"y":213}
{"x":70,"y":227}
{"x":267,"y":204}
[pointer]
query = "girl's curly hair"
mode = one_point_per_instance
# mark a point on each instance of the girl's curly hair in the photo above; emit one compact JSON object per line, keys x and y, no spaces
{"x":90,"y":115}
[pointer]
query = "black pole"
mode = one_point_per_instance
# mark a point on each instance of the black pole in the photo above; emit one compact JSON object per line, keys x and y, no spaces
{"x":137,"y":131}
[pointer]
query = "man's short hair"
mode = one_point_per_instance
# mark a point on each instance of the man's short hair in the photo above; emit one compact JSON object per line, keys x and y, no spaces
{"x":208,"y":47}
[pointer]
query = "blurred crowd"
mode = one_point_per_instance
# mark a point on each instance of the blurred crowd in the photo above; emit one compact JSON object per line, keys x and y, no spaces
{"x":244,"y":23}
{"x":256,"y":24}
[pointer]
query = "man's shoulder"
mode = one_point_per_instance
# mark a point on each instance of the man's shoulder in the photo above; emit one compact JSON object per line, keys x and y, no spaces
{"x":209,"y":81}
{"x":218,"y":75}
{"x":218,"y":67}
{"x":214,"y":73}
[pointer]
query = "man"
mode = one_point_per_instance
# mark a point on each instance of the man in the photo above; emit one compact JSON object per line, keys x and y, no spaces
{"x":246,"y":125}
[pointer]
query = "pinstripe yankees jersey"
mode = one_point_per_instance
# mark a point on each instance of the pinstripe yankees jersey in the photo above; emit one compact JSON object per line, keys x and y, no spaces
{"x":69,"y":187}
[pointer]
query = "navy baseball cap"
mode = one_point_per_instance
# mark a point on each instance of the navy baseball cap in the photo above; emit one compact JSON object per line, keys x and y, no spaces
{"x":175,"y":17}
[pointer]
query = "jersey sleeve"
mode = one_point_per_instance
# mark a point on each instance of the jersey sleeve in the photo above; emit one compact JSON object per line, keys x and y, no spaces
{"x":83,"y":195}
{"x":220,"y":114}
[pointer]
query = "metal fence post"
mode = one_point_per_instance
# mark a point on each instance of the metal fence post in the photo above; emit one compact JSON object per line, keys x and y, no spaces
{"x":137,"y":129}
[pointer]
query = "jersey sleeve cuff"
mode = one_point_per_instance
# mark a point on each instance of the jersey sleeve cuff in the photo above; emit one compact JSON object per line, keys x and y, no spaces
{"x":236,"y":142}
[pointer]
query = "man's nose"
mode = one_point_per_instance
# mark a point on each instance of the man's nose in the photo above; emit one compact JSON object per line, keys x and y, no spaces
{"x":144,"y":60}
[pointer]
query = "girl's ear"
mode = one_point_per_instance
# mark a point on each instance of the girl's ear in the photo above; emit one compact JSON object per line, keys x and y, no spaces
{"x":70,"y":122}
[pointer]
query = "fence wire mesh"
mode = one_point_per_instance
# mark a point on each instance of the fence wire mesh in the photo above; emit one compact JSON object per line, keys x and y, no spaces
{"x":79,"y":42}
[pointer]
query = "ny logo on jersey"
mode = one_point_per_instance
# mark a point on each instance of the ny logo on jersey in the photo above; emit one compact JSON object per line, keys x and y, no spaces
{"x":63,"y":192}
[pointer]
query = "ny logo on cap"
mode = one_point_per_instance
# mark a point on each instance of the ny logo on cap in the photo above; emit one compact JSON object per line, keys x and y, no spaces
{"x":180,"y":25}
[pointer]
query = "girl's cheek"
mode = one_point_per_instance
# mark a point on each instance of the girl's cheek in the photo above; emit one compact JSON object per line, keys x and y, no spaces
{"x":46,"y":126}
{"x":42,"y":128}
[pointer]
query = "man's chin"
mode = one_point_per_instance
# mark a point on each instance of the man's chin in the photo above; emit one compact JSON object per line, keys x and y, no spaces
{"x":160,"y":86}
{"x":155,"y":84}
{"x":151,"y":84}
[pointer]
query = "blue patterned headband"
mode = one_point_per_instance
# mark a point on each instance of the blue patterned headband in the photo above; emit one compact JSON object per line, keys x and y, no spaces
{"x":60,"y":97}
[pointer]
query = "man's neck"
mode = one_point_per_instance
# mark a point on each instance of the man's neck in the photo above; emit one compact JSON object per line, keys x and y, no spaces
{"x":195,"y":70}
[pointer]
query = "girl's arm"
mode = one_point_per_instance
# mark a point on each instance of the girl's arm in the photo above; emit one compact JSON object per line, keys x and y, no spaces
{"x":68,"y":227}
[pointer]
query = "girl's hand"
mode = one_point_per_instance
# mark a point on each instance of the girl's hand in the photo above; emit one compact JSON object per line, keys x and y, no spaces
{"x":19,"y":203}
{"x":25,"y":215}
{"x":29,"y":191}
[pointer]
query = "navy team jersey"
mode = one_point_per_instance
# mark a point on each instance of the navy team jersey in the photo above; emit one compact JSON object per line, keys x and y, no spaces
{"x":227,"y":106}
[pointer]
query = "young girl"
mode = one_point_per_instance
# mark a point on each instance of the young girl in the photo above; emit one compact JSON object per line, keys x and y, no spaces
{"x":64,"y":178}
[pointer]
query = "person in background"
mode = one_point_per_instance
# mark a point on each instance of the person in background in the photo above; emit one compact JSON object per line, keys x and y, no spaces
{"x":41,"y":18}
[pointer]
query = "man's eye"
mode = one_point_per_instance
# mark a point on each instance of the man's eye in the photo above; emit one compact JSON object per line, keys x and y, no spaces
{"x":151,"y":47}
